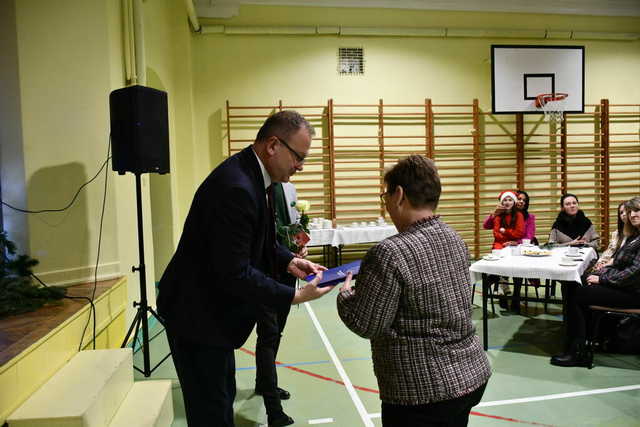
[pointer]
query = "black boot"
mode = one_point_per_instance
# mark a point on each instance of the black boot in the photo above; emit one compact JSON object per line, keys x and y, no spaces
{"x":579,"y":354}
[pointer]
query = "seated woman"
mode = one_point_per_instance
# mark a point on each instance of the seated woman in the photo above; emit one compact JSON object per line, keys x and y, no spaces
{"x":508,"y":226}
{"x":412,"y":301}
{"x":522,"y":204}
{"x":616,"y":285}
{"x":572,"y":227}
{"x":617,"y":239}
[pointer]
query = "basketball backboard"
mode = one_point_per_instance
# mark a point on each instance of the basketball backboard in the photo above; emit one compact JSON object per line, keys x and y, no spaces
{"x":521,"y":72}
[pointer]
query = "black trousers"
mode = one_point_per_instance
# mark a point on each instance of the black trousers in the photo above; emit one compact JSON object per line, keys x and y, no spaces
{"x":449,"y":413}
{"x":208,"y":382}
{"x":579,"y":298}
{"x":269,"y":329}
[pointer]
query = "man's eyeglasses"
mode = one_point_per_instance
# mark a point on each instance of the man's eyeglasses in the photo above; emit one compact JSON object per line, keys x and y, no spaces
{"x":299,"y":158}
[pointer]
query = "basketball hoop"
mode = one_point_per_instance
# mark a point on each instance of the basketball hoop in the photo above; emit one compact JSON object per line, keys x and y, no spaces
{"x":553,"y":105}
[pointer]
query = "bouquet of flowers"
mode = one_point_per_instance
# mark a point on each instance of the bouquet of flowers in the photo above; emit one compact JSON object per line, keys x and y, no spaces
{"x":296,"y":235}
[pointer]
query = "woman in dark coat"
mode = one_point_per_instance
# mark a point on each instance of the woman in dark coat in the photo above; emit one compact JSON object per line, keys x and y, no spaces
{"x":572,"y":227}
{"x":616,"y":286}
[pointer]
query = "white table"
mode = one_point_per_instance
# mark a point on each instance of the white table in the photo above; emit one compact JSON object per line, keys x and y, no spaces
{"x":350,"y":235}
{"x":527,"y":267}
{"x":335,"y":238}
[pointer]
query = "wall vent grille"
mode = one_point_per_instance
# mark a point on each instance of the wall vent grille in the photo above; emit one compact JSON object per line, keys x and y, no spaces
{"x":350,"y":60}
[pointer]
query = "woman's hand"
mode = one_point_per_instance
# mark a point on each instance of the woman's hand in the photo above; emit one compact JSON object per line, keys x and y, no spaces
{"x":499,"y":210}
{"x":511,"y":243}
{"x":577,"y":241}
{"x":346,"y":286}
{"x":593,"y":279}
{"x":502,"y":230}
{"x":302,"y":253}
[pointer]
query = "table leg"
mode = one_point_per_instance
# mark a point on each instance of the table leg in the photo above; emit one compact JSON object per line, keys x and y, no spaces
{"x":485,"y":322}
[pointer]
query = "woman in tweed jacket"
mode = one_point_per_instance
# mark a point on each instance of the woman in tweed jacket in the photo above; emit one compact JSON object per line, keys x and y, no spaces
{"x":616,"y":285}
{"x":413,"y":301}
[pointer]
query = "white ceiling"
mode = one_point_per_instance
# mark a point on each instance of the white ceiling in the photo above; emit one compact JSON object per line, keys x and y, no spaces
{"x":229,"y":8}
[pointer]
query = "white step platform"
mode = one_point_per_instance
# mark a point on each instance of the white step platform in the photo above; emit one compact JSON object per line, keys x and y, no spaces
{"x":148,"y":404}
{"x":95,"y":389}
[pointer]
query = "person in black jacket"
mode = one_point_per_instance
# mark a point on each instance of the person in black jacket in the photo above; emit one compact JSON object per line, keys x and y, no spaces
{"x":225,"y":265}
{"x":615,"y":286}
{"x":271,"y":322}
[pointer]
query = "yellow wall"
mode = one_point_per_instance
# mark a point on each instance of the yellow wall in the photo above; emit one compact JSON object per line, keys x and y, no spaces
{"x":63,"y":59}
{"x":253,"y":70}
{"x":168,"y":67}
{"x":63,"y":88}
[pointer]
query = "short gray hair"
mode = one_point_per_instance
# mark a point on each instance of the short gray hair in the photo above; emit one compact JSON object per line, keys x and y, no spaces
{"x":283,"y":124}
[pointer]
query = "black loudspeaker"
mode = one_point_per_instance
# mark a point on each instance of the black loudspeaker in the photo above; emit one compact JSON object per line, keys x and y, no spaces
{"x":139,"y":130}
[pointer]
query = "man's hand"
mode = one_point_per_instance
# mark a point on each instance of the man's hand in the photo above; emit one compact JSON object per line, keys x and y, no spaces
{"x":301,"y":268}
{"x":311,"y":291}
{"x":593,"y":279}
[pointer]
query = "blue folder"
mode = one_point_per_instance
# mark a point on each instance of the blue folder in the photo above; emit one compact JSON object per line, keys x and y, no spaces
{"x":335,"y":275}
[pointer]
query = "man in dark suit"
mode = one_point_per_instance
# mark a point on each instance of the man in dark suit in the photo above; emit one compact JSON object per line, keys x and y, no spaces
{"x":225,"y":265}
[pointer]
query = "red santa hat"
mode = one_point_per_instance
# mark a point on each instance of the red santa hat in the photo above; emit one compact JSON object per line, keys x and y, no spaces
{"x":508,"y":193}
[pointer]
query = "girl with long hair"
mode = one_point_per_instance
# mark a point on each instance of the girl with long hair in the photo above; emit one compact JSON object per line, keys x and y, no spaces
{"x":617,"y":239}
{"x":508,"y":226}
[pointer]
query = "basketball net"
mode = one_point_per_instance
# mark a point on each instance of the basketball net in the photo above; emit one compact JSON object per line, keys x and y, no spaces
{"x":552,"y":105}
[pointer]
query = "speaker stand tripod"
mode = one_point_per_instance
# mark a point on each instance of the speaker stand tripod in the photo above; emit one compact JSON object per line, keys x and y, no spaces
{"x":141,"y":321}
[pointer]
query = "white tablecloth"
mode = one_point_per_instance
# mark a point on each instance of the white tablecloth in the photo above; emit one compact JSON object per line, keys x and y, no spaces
{"x":546,"y":267}
{"x":350,"y":235}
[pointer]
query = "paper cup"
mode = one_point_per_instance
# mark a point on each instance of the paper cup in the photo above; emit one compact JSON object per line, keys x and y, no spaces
{"x":573,"y":250}
{"x":526,"y":241}
{"x":496,"y":252}
{"x":566,"y":260}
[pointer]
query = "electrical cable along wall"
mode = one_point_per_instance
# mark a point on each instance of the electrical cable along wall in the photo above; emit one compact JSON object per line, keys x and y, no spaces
{"x":595,"y":154}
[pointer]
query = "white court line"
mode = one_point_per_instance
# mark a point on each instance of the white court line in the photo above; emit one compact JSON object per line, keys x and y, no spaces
{"x":343,"y":374}
{"x":547,"y":397}
{"x":558,"y":396}
{"x":321,"y":421}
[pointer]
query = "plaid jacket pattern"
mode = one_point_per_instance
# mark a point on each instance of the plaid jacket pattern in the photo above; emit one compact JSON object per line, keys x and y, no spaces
{"x":412,"y":299}
{"x":624,"y":272}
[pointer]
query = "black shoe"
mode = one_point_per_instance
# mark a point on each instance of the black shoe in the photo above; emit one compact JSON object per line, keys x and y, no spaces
{"x":579,"y":355}
{"x":282,"y":394}
{"x":282,"y":420}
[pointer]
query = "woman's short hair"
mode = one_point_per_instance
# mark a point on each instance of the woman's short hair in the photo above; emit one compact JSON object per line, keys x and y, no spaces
{"x":418,"y":177}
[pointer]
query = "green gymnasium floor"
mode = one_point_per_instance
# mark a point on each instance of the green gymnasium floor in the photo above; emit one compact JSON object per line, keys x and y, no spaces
{"x":328,"y":371}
